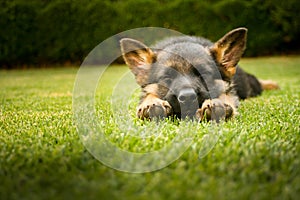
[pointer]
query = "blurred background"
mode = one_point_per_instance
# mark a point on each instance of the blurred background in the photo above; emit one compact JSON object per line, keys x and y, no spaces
{"x":41,"y":33}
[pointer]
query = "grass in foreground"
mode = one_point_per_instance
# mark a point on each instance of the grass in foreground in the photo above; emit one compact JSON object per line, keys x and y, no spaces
{"x":42,"y":157}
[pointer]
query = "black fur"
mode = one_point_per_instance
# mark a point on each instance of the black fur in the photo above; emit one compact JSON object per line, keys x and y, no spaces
{"x":191,"y":76}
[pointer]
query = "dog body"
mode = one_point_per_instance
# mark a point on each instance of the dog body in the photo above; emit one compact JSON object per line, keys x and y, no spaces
{"x":191,"y":76}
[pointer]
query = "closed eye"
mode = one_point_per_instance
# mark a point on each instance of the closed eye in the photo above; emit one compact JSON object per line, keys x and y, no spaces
{"x":167,"y":80}
{"x":201,"y":71}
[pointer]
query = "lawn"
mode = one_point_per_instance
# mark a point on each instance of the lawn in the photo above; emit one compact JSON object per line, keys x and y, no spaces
{"x":42,"y":156}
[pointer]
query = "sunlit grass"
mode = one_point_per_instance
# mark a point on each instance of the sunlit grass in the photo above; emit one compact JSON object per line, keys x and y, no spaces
{"x":256,"y":155}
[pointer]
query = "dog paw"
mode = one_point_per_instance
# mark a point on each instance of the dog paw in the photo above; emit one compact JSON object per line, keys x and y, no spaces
{"x":214,"y":110}
{"x":154,"y":108}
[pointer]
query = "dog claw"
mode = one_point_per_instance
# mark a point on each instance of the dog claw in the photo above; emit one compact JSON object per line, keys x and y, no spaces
{"x":157,"y":108}
{"x":211,"y":110}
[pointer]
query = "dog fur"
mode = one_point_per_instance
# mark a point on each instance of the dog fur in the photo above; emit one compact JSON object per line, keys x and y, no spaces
{"x":191,"y":76}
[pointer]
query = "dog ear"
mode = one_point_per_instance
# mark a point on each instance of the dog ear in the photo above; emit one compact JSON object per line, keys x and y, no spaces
{"x":138,"y":57}
{"x":229,"y":49}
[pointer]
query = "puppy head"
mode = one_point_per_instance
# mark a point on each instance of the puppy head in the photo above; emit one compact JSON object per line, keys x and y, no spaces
{"x":186,"y":73}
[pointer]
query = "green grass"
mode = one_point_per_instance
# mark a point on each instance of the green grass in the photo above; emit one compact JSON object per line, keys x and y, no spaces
{"x":257,"y":155}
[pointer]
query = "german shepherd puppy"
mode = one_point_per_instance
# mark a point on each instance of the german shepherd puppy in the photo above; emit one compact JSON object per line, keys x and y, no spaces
{"x":191,"y":76}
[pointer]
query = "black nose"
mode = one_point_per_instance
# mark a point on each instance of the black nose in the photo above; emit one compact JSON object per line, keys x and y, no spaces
{"x":187,"y":95}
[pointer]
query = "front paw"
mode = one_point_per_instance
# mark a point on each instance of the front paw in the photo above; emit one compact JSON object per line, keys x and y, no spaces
{"x":214,"y":110}
{"x":154,"y":107}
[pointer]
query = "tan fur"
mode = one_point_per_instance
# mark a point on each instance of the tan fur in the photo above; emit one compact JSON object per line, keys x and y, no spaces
{"x":269,"y":85}
{"x":232,"y":101}
{"x":151,"y":89}
{"x":139,"y":58}
{"x":150,"y":103}
{"x":228,"y":50}
{"x":222,"y":108}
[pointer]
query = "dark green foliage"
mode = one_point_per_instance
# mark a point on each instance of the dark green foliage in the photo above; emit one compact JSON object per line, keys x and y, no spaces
{"x":43,"y":32}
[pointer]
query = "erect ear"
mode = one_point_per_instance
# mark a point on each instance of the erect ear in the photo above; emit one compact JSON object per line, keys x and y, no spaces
{"x":138,"y":57}
{"x":228,"y":50}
